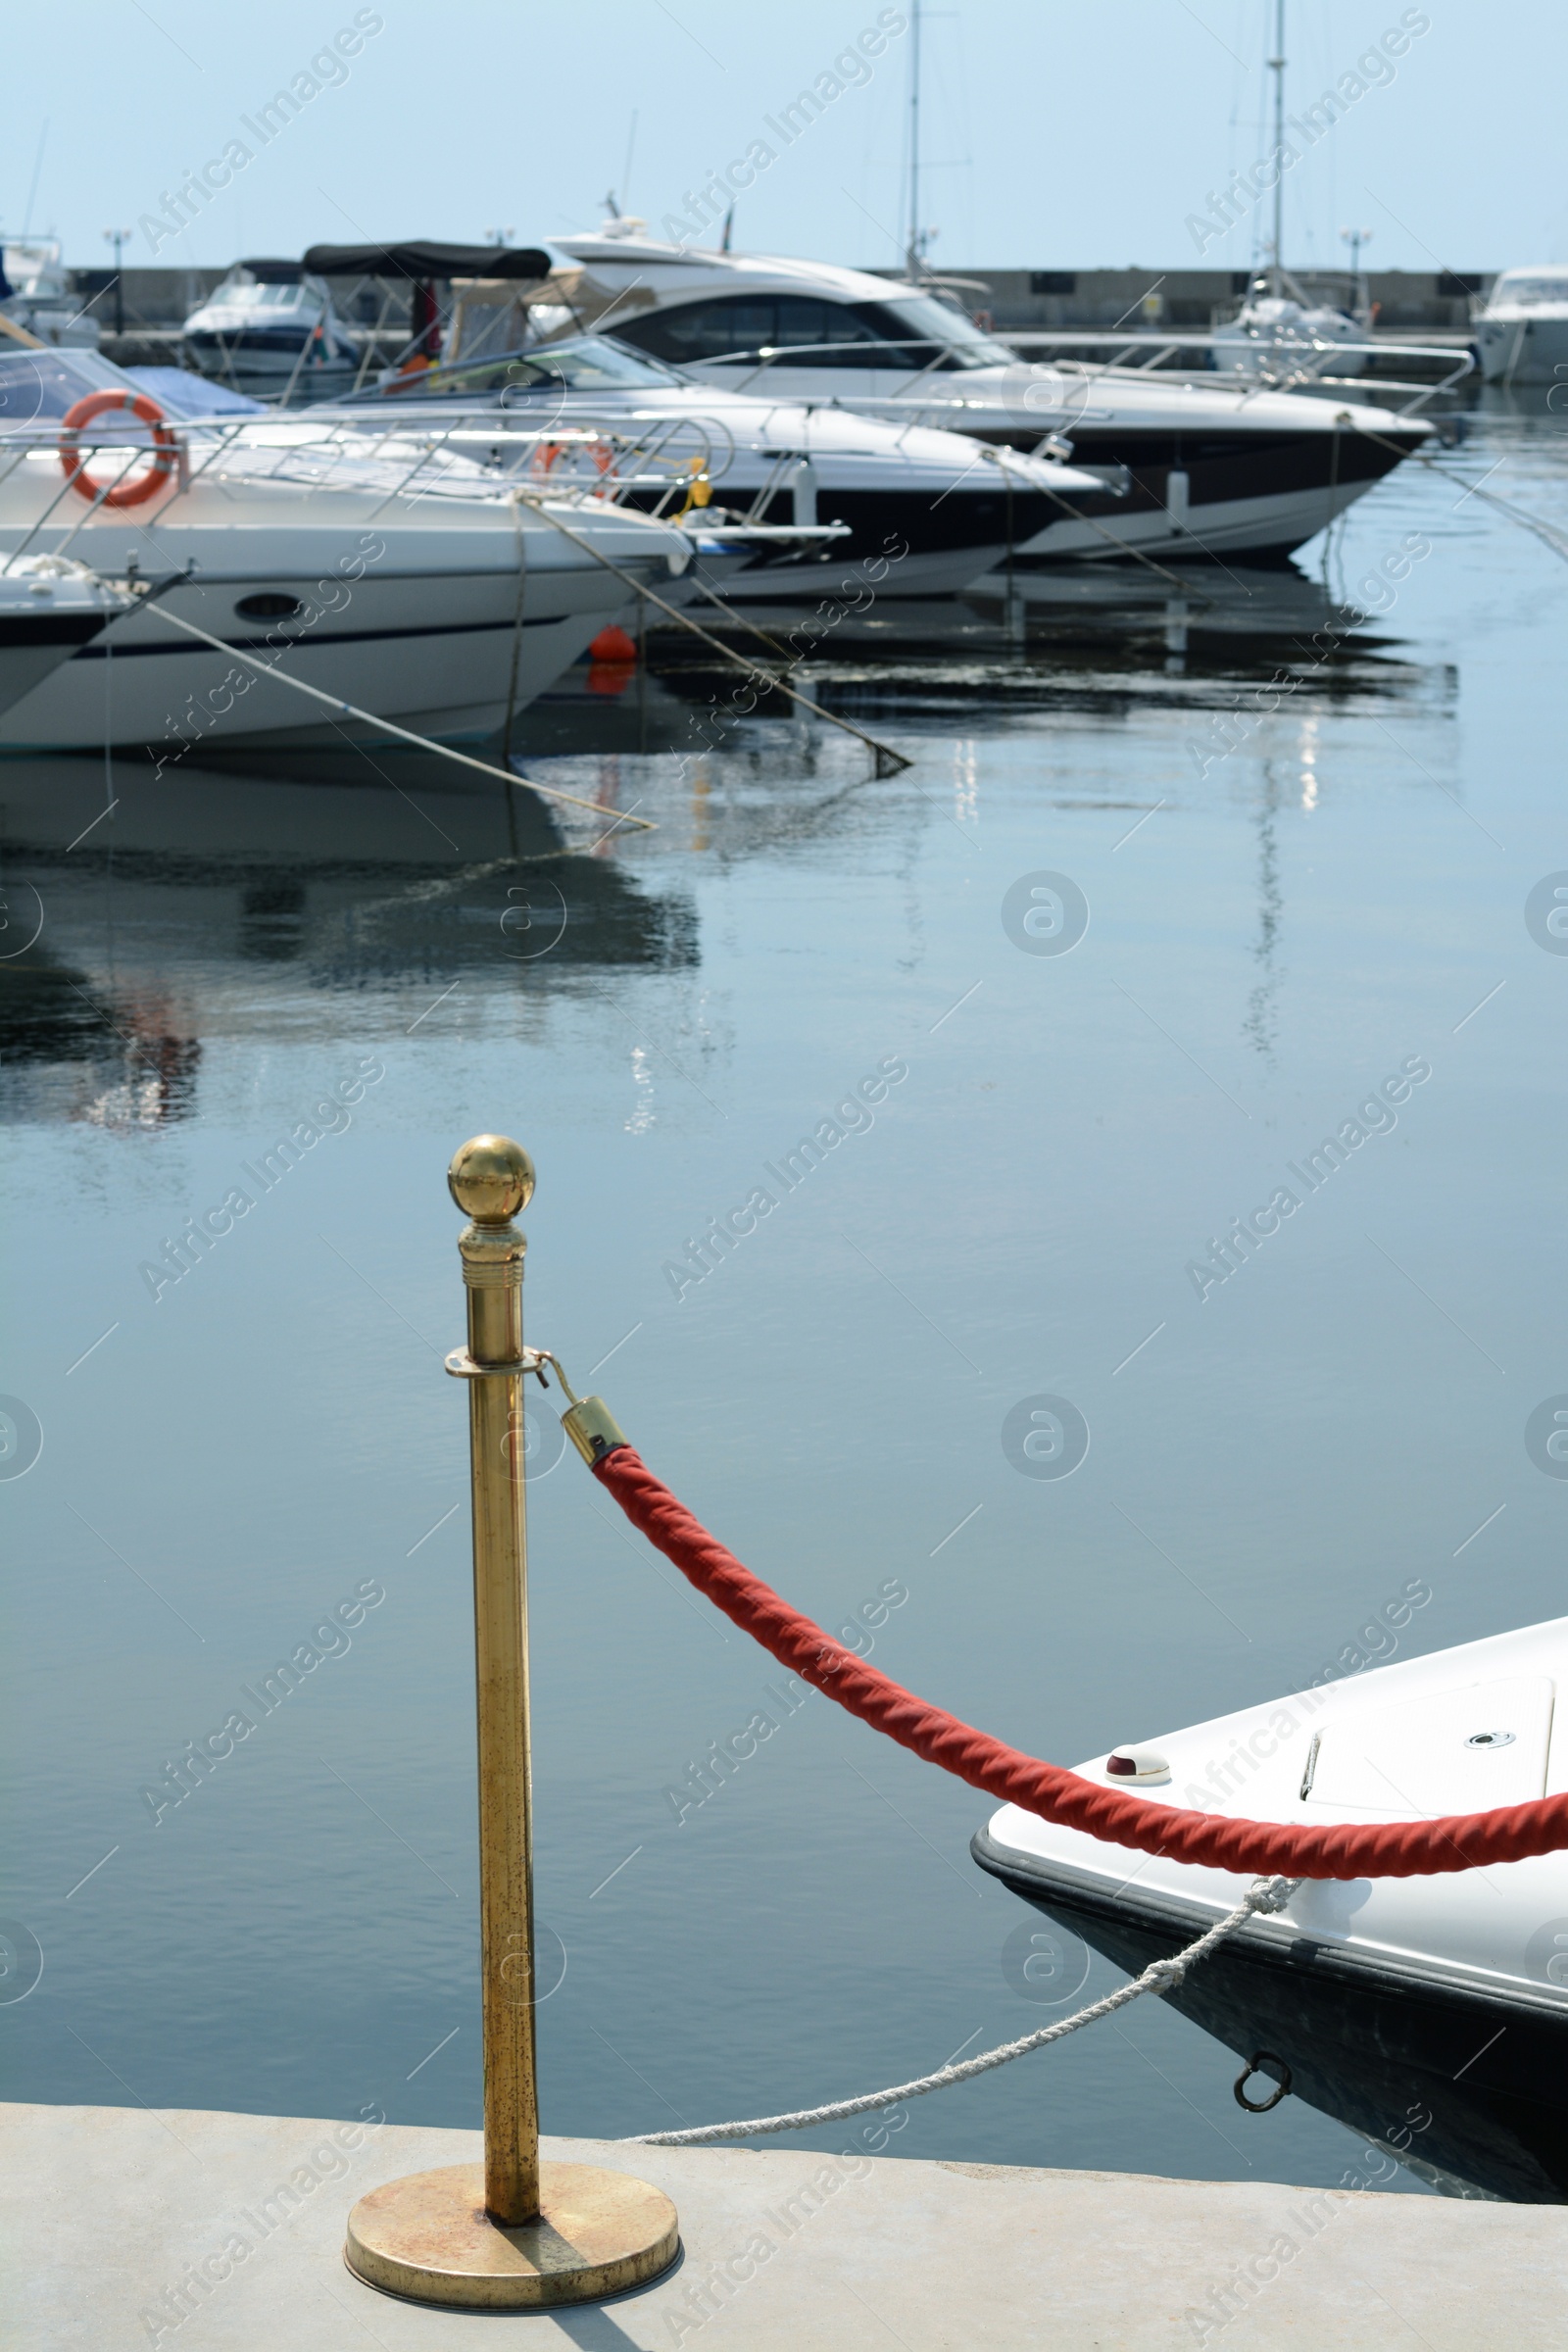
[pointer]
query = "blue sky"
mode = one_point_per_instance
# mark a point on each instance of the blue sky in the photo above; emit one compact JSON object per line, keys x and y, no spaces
{"x":1056,"y":136}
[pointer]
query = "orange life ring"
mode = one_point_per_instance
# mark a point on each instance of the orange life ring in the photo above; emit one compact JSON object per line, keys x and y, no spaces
{"x":140,"y":487}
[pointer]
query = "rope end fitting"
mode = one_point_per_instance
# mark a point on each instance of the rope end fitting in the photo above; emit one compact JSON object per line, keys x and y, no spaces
{"x":588,"y":1421}
{"x":593,"y":1429}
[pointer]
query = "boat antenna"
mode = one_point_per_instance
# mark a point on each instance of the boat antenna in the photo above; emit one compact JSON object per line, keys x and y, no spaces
{"x":729,"y":223}
{"x":1276,"y":65}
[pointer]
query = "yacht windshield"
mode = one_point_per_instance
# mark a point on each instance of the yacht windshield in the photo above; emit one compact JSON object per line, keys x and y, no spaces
{"x":1530,"y":290}
{"x":924,"y":315}
{"x":45,"y":383}
{"x":241,"y":291}
{"x":591,"y":363}
{"x":39,"y":386}
{"x":584,"y":364}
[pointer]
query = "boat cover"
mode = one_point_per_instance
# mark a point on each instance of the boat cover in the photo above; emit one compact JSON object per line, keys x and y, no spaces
{"x":427,"y":260}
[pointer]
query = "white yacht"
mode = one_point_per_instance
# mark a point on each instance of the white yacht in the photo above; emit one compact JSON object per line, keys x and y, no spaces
{"x":50,"y":607}
{"x":271,"y":328}
{"x":35,"y":295}
{"x":1275,"y":337}
{"x":1522,"y":333}
{"x":1190,"y":470}
{"x":929,"y":509}
{"x":392,"y":574}
{"x":1429,"y":2012}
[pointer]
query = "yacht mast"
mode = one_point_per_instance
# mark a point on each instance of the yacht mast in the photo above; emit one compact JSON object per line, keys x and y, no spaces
{"x":1276,"y":65}
{"x":911,"y":254}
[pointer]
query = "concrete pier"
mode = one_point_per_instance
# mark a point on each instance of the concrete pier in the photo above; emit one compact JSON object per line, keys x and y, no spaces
{"x":217,"y":2232}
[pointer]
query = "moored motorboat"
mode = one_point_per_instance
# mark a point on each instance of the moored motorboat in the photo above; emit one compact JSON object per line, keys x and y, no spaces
{"x":941,"y":508}
{"x":271,"y":328}
{"x":1522,"y":333}
{"x":1197,"y":469}
{"x":396,"y":576}
{"x":1429,"y":2013}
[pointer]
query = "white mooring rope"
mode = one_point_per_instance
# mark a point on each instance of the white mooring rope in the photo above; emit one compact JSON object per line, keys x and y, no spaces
{"x":1264,"y":1894}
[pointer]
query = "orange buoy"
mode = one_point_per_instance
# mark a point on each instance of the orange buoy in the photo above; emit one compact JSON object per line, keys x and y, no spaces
{"x":139,"y":487}
{"x":613,"y":644}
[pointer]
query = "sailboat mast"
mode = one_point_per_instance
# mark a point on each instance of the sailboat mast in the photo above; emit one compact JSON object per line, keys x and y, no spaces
{"x":1276,"y":65}
{"x":911,"y":258}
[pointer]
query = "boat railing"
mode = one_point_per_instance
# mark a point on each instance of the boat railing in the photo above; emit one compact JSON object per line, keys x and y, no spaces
{"x":601,"y":463}
{"x":1277,"y":359}
{"x":1310,"y":357}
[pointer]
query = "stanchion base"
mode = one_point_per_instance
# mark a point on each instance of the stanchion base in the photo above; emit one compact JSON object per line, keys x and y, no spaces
{"x":429,"y":2239}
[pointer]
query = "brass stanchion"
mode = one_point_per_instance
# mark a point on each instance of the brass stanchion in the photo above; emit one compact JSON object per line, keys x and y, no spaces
{"x":512,"y":2233}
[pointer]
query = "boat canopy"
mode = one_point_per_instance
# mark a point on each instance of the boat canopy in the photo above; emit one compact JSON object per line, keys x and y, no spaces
{"x":422,"y":262}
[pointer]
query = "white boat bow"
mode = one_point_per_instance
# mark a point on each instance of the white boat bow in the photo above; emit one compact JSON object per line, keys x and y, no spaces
{"x":1373,"y":1992}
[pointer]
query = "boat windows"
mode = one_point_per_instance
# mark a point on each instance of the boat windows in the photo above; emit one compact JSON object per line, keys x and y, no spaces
{"x":742,"y":326}
{"x":1531,"y":290}
{"x":914,"y":331}
{"x":694,"y":331}
{"x":269,"y":605}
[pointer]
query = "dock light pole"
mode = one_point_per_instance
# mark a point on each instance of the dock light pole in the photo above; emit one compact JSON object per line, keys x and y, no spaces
{"x":512,"y":2233}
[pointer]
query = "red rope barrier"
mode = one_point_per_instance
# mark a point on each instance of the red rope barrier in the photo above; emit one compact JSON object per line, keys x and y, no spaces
{"x":1399,"y":1850}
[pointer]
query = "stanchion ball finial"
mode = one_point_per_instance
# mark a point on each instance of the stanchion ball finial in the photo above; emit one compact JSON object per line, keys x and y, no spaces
{"x":491,"y":1179}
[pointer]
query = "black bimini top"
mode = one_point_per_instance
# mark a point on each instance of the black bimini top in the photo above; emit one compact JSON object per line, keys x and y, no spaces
{"x":421,"y":262}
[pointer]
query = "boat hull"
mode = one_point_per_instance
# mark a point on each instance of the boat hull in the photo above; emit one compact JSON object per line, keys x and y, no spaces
{"x":1523,"y":351}
{"x":438,"y":651}
{"x":34,"y":644}
{"x":1263,"y":529}
{"x":1263,"y":471}
{"x":1463,"y":2085}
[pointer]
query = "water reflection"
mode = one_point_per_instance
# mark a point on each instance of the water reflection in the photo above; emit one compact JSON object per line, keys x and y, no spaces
{"x":125,"y":1064}
{"x":1099,"y":635}
{"x":151,"y":925}
{"x":165,"y":903}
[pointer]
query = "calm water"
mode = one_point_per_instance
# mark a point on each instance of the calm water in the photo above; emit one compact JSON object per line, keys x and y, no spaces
{"x":1340,"y":892}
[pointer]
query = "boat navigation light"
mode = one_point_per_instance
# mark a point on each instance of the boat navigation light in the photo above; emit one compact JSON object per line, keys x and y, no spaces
{"x":1145,"y":1764}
